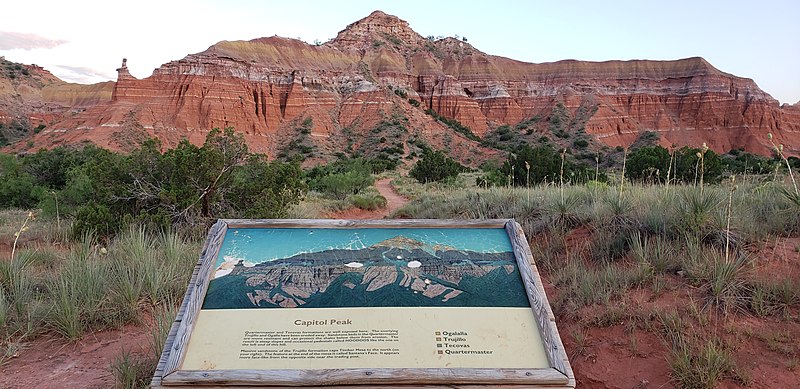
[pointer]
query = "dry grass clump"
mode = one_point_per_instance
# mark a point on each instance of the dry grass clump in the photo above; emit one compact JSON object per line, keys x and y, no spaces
{"x":88,"y":285}
{"x":134,"y":369}
{"x":368,"y":199}
{"x":72,"y":288}
{"x":696,"y":362}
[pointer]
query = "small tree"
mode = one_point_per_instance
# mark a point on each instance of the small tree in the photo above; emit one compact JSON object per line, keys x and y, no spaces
{"x":687,"y":165}
{"x":529,"y":165}
{"x":648,"y":163}
{"x":435,"y":166}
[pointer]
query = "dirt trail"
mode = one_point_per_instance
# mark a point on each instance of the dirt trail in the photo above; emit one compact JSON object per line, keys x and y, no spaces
{"x":394,"y":201}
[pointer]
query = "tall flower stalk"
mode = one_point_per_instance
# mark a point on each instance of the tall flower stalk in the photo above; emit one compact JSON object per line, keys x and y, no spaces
{"x":561,"y":174}
{"x":779,"y":150}
{"x":19,"y":232}
{"x":622,"y":179}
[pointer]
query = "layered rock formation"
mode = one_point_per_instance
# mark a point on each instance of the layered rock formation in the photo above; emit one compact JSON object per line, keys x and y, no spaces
{"x":375,"y":70}
{"x":32,"y":97}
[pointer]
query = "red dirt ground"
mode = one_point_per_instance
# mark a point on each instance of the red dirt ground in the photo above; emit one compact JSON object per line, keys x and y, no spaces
{"x":626,"y":355}
{"x":55,"y":363}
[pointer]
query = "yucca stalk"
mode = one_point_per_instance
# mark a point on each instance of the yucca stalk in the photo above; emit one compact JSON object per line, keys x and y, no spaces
{"x":779,"y":150}
{"x":19,"y":232}
{"x":728,"y":225}
{"x":561,"y":175}
{"x":622,"y":179}
{"x":669,"y":168}
{"x":702,"y":156}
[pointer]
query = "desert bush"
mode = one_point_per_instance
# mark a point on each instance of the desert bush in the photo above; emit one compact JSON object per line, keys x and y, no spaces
{"x":369,"y":200}
{"x":688,"y":169}
{"x":187,"y":185}
{"x":435,"y":166}
{"x":533,"y":165}
{"x":649,"y":163}
{"x":341,"y":185}
{"x":18,"y":188}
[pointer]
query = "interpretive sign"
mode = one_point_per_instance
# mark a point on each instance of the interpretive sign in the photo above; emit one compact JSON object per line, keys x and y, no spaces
{"x":334,"y":302}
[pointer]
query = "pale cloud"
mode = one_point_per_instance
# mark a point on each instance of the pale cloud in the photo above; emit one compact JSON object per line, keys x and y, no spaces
{"x":10,"y":40}
{"x":80,"y":74}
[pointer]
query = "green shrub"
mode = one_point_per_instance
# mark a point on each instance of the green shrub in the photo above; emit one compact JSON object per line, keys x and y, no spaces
{"x":534,"y":165}
{"x":435,"y":166}
{"x":688,"y":169}
{"x":369,"y":201}
{"x":649,"y":163}
{"x":580,"y":143}
{"x":341,"y":185}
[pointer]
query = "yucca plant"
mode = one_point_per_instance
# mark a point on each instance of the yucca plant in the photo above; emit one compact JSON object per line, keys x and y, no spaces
{"x":769,"y":297}
{"x":656,"y":252}
{"x":725,"y":282}
{"x":699,"y":365}
{"x":697,"y":209}
{"x":563,"y":209}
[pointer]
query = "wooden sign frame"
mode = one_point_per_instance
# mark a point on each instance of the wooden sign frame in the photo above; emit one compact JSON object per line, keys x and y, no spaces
{"x":169,"y":375}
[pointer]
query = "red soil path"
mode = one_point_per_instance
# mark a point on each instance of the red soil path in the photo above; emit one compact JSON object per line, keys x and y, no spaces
{"x":394,"y":201}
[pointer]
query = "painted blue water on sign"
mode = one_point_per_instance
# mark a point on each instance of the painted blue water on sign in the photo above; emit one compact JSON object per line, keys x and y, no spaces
{"x":256,"y":245}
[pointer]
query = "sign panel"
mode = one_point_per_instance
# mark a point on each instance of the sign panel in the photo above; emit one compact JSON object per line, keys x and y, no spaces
{"x":431,"y":300}
{"x":378,"y":297}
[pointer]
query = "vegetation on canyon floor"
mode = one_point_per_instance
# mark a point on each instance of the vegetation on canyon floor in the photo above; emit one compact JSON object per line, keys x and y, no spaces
{"x":112,"y":239}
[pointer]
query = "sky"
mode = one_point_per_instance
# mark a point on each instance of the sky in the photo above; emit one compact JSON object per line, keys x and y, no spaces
{"x":85,"y":41}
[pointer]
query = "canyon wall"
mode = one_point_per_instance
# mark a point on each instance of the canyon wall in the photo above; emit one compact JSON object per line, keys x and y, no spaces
{"x":378,"y":68}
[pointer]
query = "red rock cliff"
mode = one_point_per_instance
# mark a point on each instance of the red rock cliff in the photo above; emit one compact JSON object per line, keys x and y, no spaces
{"x":265,"y":86}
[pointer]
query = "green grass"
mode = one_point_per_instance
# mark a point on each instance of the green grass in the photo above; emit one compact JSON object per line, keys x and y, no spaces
{"x":135,"y":369}
{"x":773,"y":297}
{"x":699,"y":365}
{"x":92,"y":285}
{"x":132,"y":371}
